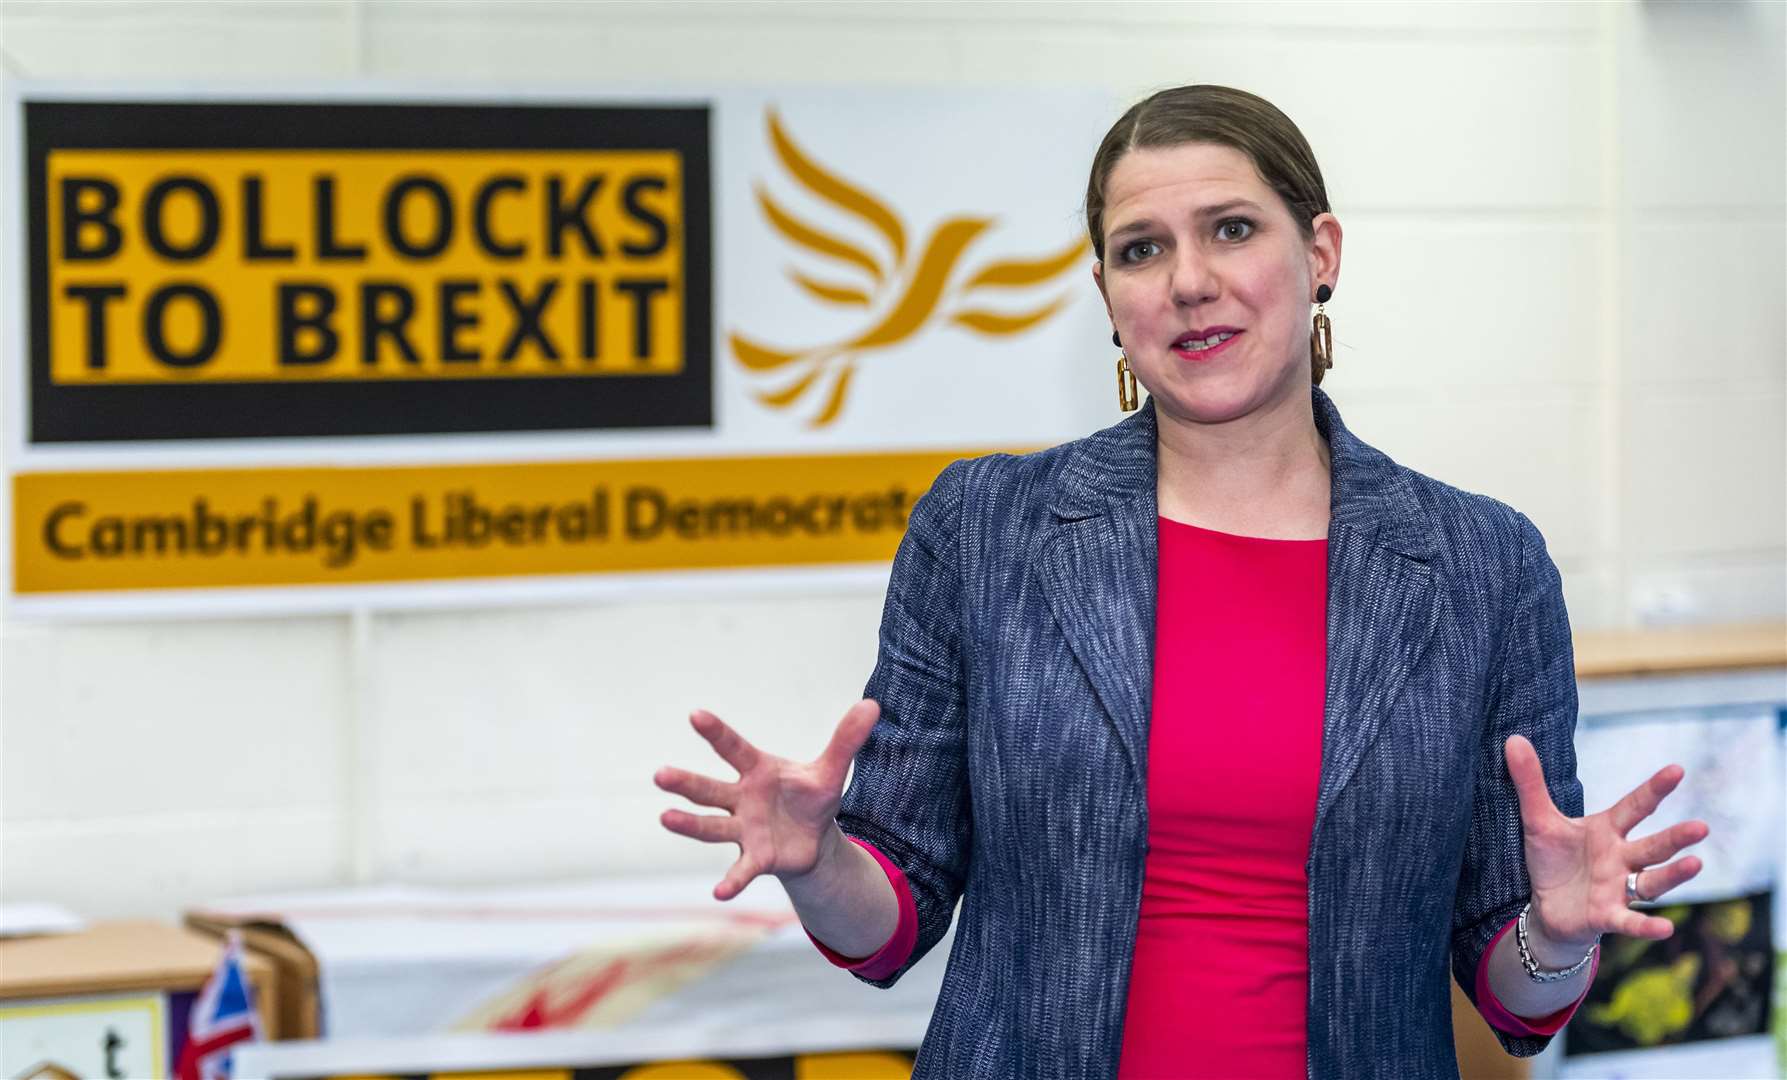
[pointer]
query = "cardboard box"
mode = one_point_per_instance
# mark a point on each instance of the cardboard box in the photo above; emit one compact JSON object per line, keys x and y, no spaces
{"x":108,"y":973}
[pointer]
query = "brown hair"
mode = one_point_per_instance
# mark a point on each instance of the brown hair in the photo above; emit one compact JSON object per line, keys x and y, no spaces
{"x":1214,"y":114}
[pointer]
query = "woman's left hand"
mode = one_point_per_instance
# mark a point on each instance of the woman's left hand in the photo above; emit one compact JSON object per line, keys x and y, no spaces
{"x":1578,"y":866}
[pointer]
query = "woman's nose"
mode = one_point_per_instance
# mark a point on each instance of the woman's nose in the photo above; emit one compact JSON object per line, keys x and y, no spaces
{"x":1194,"y":279}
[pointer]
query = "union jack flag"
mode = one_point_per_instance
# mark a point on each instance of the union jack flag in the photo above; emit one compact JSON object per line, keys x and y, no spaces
{"x":222,"y":1016}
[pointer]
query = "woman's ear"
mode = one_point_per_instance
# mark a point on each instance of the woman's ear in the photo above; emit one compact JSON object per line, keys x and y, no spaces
{"x":1098,"y":278}
{"x":1324,"y":251}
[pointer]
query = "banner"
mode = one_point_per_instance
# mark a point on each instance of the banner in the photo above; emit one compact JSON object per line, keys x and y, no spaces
{"x":209,"y":528}
{"x":255,"y":271}
{"x":624,"y":977}
{"x":385,"y":349}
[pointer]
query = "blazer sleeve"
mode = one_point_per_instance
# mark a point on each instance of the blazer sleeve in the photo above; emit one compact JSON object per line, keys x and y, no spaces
{"x":908,"y":792}
{"x":1531,"y":692}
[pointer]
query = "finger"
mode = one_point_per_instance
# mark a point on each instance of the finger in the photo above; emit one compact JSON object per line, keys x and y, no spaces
{"x":742,"y":872}
{"x":1662,"y":846}
{"x":702,"y":790}
{"x":1638,"y":924}
{"x":1656,"y":882}
{"x":1642,"y":801}
{"x":708,"y":828}
{"x":1529,"y":780}
{"x":848,"y":739}
{"x":729,"y":744}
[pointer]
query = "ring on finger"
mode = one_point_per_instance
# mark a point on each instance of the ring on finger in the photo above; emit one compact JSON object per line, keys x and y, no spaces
{"x":1633,"y":896}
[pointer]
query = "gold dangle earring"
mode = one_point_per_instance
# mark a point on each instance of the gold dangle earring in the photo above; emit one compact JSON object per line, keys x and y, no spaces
{"x":1321,"y":337}
{"x":1126,"y":389}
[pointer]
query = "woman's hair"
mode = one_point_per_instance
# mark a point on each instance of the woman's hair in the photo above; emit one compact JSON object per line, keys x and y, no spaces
{"x":1214,"y":114}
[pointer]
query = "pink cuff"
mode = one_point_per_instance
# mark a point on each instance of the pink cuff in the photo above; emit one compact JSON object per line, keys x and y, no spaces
{"x":1498,"y":1015}
{"x":891,"y":956}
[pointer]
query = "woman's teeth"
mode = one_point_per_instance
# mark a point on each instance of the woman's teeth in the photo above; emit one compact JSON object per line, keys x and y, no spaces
{"x":1198,"y":345}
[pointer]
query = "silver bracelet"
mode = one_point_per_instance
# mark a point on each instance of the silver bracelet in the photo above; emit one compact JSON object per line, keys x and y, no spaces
{"x":1533,"y":970}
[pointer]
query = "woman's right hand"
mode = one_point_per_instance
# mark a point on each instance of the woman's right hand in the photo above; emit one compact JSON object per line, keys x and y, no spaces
{"x":781,"y":813}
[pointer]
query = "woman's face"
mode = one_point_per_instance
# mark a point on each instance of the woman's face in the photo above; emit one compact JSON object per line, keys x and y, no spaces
{"x":1197,"y":245}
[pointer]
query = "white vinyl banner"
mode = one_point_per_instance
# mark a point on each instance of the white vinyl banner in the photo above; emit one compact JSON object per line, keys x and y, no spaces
{"x":605,"y":973}
{"x":348,"y":348}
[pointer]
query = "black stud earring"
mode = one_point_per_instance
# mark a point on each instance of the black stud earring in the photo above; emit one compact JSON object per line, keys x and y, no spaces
{"x":1322,"y":293}
{"x":1115,"y":340}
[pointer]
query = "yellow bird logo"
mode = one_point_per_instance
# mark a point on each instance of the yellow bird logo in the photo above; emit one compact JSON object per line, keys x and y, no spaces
{"x":899,"y":295}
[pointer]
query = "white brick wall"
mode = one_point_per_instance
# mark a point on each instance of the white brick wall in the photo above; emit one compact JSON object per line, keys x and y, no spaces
{"x":1563,"y":285}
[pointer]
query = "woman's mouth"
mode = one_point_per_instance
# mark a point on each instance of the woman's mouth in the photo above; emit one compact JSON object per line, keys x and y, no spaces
{"x":1207,"y":348}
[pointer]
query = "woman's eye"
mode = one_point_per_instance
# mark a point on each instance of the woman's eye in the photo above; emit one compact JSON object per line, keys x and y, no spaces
{"x":1129,"y":251}
{"x":1243,"y":227}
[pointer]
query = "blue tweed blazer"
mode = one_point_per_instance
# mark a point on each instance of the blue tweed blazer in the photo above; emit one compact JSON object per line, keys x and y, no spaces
{"x":1009,"y":768}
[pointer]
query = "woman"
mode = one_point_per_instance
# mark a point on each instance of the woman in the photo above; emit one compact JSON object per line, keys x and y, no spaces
{"x":1226,"y":730}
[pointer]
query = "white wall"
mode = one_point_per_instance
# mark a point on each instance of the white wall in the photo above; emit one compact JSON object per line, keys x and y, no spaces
{"x":1563,"y":285}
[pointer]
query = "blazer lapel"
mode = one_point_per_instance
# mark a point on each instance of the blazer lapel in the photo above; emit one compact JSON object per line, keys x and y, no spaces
{"x":1383,"y":604}
{"x":1098,"y":573}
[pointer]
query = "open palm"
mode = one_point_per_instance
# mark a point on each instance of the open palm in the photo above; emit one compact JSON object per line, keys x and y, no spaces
{"x":1578,"y":866}
{"x":779,"y":812}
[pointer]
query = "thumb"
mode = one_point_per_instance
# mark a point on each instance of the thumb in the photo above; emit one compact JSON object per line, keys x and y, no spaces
{"x":852,"y":732}
{"x":1529,"y":780}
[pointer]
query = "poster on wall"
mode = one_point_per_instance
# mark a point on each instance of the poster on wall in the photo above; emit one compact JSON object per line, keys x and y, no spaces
{"x":1701,"y":1002}
{"x":1780,"y":915}
{"x":348,"y":349}
{"x":86,"y":1035}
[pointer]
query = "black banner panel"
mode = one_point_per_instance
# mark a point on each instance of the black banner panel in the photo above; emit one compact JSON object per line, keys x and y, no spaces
{"x":244,"y":271}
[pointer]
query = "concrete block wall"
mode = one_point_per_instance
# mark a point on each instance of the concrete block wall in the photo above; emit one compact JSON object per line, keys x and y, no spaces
{"x":1562,"y":285}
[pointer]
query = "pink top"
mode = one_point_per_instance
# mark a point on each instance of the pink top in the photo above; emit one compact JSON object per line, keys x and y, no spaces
{"x":1234,"y":760}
